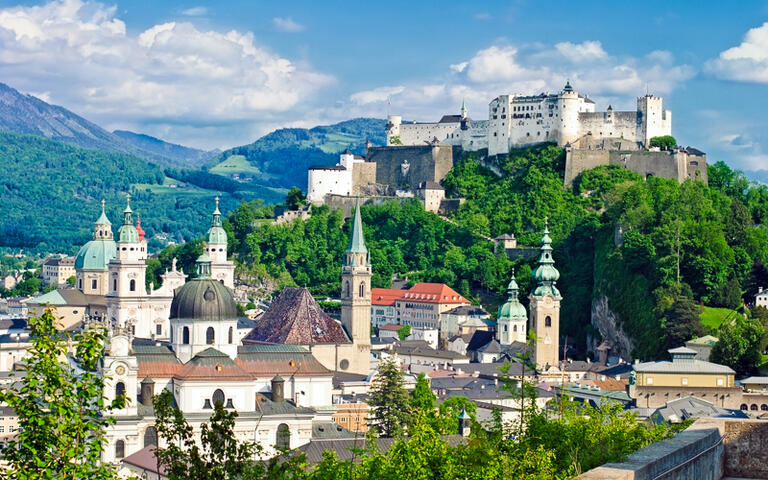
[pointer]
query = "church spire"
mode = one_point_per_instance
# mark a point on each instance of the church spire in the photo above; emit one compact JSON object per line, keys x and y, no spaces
{"x":546,"y":274}
{"x":127,"y":233}
{"x":216,"y":234}
{"x":102,"y":229}
{"x":356,"y":237}
{"x":217,"y":215}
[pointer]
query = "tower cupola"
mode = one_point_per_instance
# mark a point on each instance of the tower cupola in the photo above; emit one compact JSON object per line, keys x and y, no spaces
{"x":102,"y":229}
{"x":546,"y":274}
{"x":127,"y":233}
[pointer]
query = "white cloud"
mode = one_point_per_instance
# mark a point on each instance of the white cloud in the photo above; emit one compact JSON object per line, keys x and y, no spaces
{"x":171,"y":77}
{"x":747,"y":62}
{"x":381,"y":94}
{"x":287,"y":25}
{"x":459,"y":67}
{"x":579,"y":52}
{"x":195,"y":11}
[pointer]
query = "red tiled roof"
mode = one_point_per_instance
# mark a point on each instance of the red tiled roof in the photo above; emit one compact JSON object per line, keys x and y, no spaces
{"x":391,"y":327}
{"x":295,"y":318}
{"x":421,"y":292}
{"x":158,"y":366}
{"x":146,"y":460}
{"x":211,"y":365}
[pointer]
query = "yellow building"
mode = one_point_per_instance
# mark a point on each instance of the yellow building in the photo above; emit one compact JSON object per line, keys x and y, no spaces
{"x":652,"y":384}
{"x":352,"y":416}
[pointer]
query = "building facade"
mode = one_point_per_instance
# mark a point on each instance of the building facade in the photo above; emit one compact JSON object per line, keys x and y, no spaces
{"x":56,"y":271}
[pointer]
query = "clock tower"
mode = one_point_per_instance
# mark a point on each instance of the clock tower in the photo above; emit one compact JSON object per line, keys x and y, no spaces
{"x":545,"y":308}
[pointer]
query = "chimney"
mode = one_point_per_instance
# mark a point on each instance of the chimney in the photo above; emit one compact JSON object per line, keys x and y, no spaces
{"x":278,"y":388}
{"x":147,"y":391}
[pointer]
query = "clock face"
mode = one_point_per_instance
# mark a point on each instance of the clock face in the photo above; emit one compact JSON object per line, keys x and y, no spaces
{"x":120,"y":370}
{"x":548,"y":301}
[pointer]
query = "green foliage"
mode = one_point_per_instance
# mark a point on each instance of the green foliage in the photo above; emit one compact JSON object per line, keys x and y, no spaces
{"x":739,"y":345}
{"x":664,"y":142}
{"x":29,"y":284}
{"x":681,"y":321}
{"x":404,"y":332}
{"x":60,"y":410}
{"x":388,"y":399}
{"x":71,"y":280}
{"x":295,"y":198}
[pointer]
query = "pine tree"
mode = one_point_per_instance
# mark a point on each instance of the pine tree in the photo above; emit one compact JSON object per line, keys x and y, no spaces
{"x":390,"y":410}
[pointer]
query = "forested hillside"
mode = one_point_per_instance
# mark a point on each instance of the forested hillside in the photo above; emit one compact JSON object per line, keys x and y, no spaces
{"x":51,"y":194}
{"x":282,"y":157}
{"x":191,"y":157}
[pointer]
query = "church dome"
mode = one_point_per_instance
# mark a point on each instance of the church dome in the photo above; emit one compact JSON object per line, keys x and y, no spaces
{"x":203,"y":298}
{"x":512,"y":308}
{"x":95,"y":255}
{"x":216,"y":234}
{"x":127,"y":233}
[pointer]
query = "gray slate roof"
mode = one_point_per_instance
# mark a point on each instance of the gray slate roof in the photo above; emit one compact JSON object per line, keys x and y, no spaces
{"x":683,"y":366}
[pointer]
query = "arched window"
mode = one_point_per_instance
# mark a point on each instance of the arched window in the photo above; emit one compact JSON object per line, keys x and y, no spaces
{"x":548,"y":321}
{"x":119,"y":449}
{"x":753,"y":407}
{"x":764,"y":407}
{"x":362,"y":289}
{"x":150,"y":436}
{"x":209,"y":336}
{"x":119,"y":389}
{"x":346,"y":288}
{"x":132,"y":286}
{"x":185,"y":336}
{"x":283,"y":437}
{"x":218,"y":397}
{"x":744,"y":407}
{"x":231,"y":336}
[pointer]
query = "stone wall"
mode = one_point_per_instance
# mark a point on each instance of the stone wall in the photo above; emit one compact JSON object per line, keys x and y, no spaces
{"x":363,"y":173}
{"x":405,"y":167}
{"x":746,"y":449}
{"x":678,"y":165}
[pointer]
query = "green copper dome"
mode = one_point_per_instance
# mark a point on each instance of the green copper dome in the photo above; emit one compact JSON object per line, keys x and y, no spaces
{"x":216,"y":234}
{"x":203,"y":298}
{"x":95,"y":255}
{"x":512,"y":308}
{"x":127,"y":233}
{"x":546,"y":274}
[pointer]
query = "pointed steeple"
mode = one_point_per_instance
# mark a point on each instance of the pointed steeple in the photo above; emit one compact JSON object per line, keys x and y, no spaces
{"x":217,"y":214}
{"x":127,"y":233}
{"x":356,"y":238}
{"x":546,"y":274}
{"x":463,"y":109}
{"x":216,"y":234}
{"x":102,"y":228}
{"x":103,"y":220}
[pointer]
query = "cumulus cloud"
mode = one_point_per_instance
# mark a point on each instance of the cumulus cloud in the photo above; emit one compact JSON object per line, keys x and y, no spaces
{"x":286,"y":25}
{"x":195,"y":12}
{"x":536,"y":68}
{"x":171,"y":75}
{"x":381,"y":94}
{"x":747,"y":62}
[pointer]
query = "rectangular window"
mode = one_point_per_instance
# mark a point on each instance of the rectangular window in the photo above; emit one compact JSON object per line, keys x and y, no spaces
{"x":159,"y":329}
{"x":684,"y":381}
{"x":649,"y":381}
{"x":720,"y":383}
{"x":2,"y":428}
{"x":93,"y":284}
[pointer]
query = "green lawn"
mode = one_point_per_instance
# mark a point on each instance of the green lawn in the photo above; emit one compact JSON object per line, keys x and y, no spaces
{"x":180,"y":188}
{"x":236,"y":164}
{"x":713,"y":317}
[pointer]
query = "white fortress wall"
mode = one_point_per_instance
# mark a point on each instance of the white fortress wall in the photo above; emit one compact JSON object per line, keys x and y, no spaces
{"x":609,"y":124}
{"x":324,"y":180}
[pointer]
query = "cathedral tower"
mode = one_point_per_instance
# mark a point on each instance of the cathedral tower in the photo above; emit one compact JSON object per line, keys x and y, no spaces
{"x":512,"y":317}
{"x":221,"y":269}
{"x":545,"y":307}
{"x":356,"y":294}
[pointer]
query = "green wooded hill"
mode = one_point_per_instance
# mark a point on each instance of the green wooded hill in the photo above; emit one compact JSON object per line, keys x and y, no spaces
{"x":616,"y":236}
{"x":51,"y":194}
{"x":281,"y":158}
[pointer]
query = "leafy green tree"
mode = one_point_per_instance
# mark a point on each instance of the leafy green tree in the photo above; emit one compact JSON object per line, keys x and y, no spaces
{"x":664,"y":142}
{"x":295,"y":198}
{"x":739,"y":345}
{"x":403,"y":332}
{"x":390,"y":411}
{"x":422,"y":397}
{"x":683,"y":322}
{"x":71,"y":280}
{"x":61,"y":410}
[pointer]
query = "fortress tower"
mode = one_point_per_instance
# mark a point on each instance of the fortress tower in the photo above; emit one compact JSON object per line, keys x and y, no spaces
{"x":652,"y":119}
{"x":393,"y":127}
{"x":545,"y":308}
{"x":568,"y":124}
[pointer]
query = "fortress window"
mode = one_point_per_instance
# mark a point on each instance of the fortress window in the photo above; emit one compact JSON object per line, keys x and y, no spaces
{"x":185,"y":336}
{"x":210,"y":336}
{"x":132,"y":286}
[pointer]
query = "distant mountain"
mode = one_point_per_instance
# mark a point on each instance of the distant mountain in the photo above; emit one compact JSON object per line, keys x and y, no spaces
{"x":192,"y":156}
{"x":29,"y":115}
{"x":281,"y":158}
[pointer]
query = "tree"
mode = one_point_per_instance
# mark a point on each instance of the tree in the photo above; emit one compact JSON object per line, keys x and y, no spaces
{"x":683,"y":322}
{"x":61,"y":409}
{"x":295,"y":198}
{"x":404,"y":332}
{"x":664,"y":142}
{"x":422,"y":397}
{"x":739,"y":345}
{"x":388,"y":400}
{"x":71,"y":280}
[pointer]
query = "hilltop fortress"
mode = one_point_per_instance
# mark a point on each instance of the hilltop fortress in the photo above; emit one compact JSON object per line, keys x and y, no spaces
{"x":569,"y":119}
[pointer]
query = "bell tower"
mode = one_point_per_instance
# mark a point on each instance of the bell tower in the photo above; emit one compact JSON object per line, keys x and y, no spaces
{"x":356,"y":294}
{"x":545,"y":307}
{"x":221,"y":269}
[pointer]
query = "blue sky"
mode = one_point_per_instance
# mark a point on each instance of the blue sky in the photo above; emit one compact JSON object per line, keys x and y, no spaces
{"x":223,"y":73}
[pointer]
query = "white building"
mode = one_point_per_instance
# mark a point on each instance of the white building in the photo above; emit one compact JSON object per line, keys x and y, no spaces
{"x":521,"y":120}
{"x":335,"y":179}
